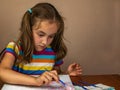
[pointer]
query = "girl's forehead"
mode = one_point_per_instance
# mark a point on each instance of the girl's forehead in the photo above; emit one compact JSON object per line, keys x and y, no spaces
{"x":46,"y":26}
{"x":45,"y":23}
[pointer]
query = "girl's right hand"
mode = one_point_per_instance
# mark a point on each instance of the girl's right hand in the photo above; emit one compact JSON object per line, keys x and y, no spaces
{"x":47,"y":77}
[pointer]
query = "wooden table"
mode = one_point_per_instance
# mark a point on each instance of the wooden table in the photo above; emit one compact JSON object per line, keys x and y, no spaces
{"x":110,"y":80}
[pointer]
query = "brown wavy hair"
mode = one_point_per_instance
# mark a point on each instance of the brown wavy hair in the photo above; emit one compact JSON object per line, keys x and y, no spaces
{"x":41,"y":11}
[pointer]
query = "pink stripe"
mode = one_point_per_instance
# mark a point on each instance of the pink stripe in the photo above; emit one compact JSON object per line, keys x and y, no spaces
{"x":10,"y":53}
{"x":44,"y":52}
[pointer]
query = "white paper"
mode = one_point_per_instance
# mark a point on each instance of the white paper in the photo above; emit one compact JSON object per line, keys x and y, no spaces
{"x":53,"y":86}
{"x":98,"y":87}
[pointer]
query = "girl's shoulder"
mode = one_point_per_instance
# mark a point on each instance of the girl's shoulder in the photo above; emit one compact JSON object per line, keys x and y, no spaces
{"x":13,"y":46}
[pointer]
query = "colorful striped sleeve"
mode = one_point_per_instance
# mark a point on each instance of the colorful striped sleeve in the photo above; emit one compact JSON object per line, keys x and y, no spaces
{"x":11,"y":48}
{"x":59,"y":62}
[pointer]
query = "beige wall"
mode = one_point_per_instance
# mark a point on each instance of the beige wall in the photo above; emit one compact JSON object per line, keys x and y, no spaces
{"x":92,"y":29}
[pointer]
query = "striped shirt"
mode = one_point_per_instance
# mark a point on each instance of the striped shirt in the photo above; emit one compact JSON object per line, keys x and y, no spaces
{"x":41,"y":60}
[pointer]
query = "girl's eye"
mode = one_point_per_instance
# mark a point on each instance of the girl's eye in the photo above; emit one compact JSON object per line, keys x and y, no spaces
{"x":51,"y":36}
{"x":40,"y":35}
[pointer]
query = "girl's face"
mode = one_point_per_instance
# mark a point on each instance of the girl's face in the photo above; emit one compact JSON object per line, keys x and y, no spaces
{"x":43,"y":34}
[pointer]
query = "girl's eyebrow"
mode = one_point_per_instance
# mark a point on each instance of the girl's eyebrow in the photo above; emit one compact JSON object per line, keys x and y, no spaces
{"x":42,"y":32}
{"x":45,"y":33}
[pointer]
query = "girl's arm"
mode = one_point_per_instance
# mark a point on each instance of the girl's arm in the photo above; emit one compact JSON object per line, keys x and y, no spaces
{"x":9,"y":76}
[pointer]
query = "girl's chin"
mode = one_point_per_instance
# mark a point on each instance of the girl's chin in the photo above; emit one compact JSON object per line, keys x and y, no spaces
{"x":39,"y":49}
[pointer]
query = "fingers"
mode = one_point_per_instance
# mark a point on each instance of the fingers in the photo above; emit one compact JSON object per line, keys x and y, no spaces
{"x":54,"y":75}
{"x":48,"y":76}
{"x":79,"y":72}
{"x":73,"y":64}
{"x":79,"y":69}
{"x":75,"y":69}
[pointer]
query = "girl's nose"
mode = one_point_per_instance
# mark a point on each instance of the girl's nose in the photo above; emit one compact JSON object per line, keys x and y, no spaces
{"x":44,"y":41}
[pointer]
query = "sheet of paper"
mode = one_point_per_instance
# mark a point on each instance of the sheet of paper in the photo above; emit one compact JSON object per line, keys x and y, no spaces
{"x":96,"y":87}
{"x":51,"y":86}
{"x":65,"y":78}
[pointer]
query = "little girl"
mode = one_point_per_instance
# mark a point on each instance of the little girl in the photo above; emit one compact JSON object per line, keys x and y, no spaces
{"x":39,"y":50}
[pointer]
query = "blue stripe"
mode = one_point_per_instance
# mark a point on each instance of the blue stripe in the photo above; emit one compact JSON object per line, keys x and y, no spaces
{"x":58,"y":62}
{"x":9,"y":49}
{"x":29,"y":72}
{"x":48,"y":49}
{"x":43,"y":56}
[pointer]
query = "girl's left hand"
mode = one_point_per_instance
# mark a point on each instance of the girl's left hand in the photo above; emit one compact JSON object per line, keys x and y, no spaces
{"x":74,"y":69}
